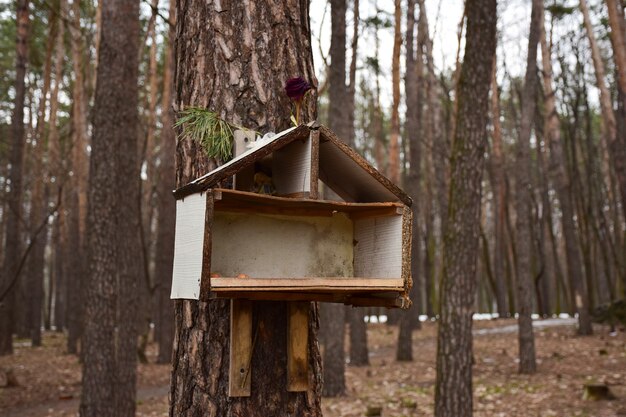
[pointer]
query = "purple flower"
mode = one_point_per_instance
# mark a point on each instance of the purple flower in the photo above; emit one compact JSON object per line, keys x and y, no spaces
{"x":296,"y":88}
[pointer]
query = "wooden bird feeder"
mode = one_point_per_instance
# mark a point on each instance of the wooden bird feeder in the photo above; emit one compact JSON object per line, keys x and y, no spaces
{"x":334,"y":230}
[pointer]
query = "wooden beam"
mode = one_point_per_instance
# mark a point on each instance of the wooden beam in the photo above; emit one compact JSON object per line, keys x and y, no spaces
{"x":239,"y":372}
{"x":298,"y":347}
{"x":388,"y":299}
{"x":307,"y":284}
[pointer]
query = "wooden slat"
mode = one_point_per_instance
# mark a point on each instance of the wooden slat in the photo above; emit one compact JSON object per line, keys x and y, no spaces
{"x":307,"y":284}
{"x":364,"y":299}
{"x":205,"y":278}
{"x":240,"y":355}
{"x":227,"y":200}
{"x":407,"y":237}
{"x":297,"y":347}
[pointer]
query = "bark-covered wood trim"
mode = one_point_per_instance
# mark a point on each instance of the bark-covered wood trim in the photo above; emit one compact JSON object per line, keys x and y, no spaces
{"x":208,"y":181}
{"x":389,"y":299}
{"x":407,"y":234}
{"x":315,"y":164}
{"x":205,"y":277}
{"x":327,"y":134}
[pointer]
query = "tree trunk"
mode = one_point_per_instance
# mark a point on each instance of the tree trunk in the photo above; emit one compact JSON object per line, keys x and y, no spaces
{"x":615,"y":146}
{"x":164,"y":259}
{"x":498,"y":184}
{"x":76,"y":196}
{"x":14,"y":199}
{"x":247,"y":54}
{"x":412,"y":128}
{"x":56,"y":170}
{"x":618,"y":40}
{"x":109,"y":373}
{"x":453,"y":390}
{"x":394,"y":134}
{"x":523,"y":197}
{"x":561,"y":182}
{"x":333,"y":316}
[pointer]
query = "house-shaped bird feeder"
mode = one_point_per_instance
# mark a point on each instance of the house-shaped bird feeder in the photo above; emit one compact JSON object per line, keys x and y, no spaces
{"x":299,"y":216}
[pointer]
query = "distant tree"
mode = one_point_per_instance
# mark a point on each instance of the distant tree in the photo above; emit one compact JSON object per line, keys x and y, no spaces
{"x":12,"y":238}
{"x":110,"y":339}
{"x":247,"y":52}
{"x":166,"y":220}
{"x":453,"y":390}
{"x":523,"y":198}
{"x":394,"y":134}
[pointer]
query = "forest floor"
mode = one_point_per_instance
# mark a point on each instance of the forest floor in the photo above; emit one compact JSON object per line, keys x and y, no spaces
{"x":49,"y":379}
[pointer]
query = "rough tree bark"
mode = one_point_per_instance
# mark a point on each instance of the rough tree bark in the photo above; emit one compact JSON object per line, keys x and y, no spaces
{"x":110,"y":356}
{"x":453,"y":390}
{"x":618,"y":40}
{"x":166,"y":219}
{"x":560,"y":180}
{"x":12,"y":242}
{"x":234,"y":58}
{"x":523,"y":198}
{"x":404,"y":350}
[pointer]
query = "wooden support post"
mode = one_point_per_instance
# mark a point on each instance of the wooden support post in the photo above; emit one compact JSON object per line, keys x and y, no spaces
{"x":297,"y":347}
{"x":205,"y":277}
{"x":239,"y":372}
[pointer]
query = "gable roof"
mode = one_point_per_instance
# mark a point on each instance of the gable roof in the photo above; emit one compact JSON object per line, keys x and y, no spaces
{"x":341,"y":168}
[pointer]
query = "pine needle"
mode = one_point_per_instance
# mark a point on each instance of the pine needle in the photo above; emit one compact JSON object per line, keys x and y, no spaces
{"x":206,"y":128}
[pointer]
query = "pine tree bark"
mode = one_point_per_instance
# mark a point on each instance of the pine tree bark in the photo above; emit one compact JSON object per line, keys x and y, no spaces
{"x":110,"y":356}
{"x":618,"y":40}
{"x":560,"y":179}
{"x":234,"y":59}
{"x":453,"y":390}
{"x":14,"y":199}
{"x":166,"y":219}
{"x":523,"y":198}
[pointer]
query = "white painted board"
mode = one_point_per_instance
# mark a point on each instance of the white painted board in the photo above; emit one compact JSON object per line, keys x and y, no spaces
{"x":378,"y":248}
{"x":190,"y":218}
{"x":291,"y":168}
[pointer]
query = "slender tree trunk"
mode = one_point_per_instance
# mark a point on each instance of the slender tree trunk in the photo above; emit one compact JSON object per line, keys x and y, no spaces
{"x":230,"y":49}
{"x":14,"y":199}
{"x":109,"y":374}
{"x":498,"y":184}
{"x":412,"y":128}
{"x":355,"y":316}
{"x":523,"y":197}
{"x":77,"y":191}
{"x":453,"y":390}
{"x":394,"y":134}
{"x":56,"y":170}
{"x":332,"y":326}
{"x":618,"y":40}
{"x":616,"y":148}
{"x":166,"y":204}
{"x":560,"y":180}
